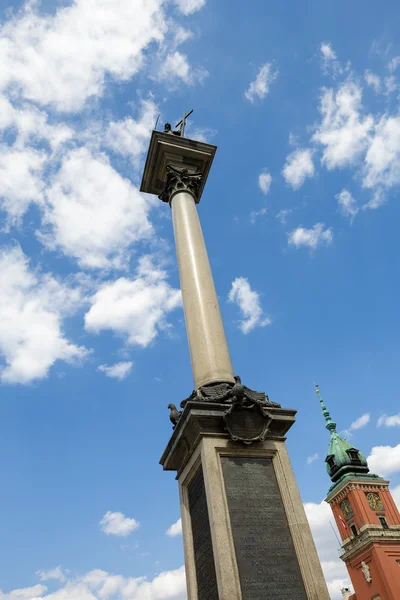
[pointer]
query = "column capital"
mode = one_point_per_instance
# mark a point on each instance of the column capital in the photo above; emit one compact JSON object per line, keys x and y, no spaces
{"x":181,"y":181}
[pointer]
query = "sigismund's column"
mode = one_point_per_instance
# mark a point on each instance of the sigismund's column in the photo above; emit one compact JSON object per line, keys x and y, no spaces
{"x":246,"y":535}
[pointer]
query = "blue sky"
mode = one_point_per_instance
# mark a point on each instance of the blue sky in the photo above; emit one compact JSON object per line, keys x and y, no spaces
{"x":300,"y":216}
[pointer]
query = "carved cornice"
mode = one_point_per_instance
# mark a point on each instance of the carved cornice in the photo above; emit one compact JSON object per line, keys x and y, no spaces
{"x":181,"y":181}
{"x":369,"y":536}
{"x":364,"y":486}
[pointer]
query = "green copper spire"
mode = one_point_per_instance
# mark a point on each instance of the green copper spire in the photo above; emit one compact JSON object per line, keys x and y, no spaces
{"x":342,"y":459}
{"x":330,"y":425}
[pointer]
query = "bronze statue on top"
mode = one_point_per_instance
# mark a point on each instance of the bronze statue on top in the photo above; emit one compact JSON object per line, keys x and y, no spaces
{"x":181,"y":125}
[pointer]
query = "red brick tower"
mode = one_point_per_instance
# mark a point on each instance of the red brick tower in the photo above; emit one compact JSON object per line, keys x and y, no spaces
{"x":367,"y":519}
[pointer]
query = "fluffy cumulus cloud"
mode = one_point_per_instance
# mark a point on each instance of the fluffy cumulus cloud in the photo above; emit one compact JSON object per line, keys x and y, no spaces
{"x":57,"y":574}
{"x":134,"y":307}
{"x":187,"y":7}
{"x":373,"y":80}
{"x":321,"y":522}
{"x":100,"y":585}
{"x":21,"y":180}
{"x":175,"y":529}
{"x":54,"y":62}
{"x":327,"y":52}
{"x":92,"y":213}
{"x":259,"y":88}
{"x":347,"y":204}
{"x":389,"y":421}
{"x":360,"y":422}
{"x":264,"y":182}
{"x":129,"y":137}
{"x":299,"y":165}
{"x":384,"y":460}
{"x":382,"y":161}
{"x":117,"y":371}
{"x":176,"y":66}
{"x":116,"y":523}
{"x":33,"y":306}
{"x":311,"y":238}
{"x":30,"y":593}
{"x":396,"y":495}
{"x":343,"y":132}
{"x":248,"y":301}
{"x":351,"y":136}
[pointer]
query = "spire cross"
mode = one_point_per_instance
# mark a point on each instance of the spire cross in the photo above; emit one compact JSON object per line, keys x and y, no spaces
{"x":182,"y":122}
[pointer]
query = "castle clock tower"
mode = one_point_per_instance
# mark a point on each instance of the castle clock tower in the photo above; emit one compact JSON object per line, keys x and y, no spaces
{"x":367,"y":519}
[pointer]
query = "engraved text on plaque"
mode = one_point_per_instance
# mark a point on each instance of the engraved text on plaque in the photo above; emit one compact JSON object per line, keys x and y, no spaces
{"x":266,"y":558}
{"x":202,"y":544}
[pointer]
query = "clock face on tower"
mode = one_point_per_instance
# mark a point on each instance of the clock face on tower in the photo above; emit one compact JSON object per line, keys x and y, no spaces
{"x":374,"y":501}
{"x":346,"y":510}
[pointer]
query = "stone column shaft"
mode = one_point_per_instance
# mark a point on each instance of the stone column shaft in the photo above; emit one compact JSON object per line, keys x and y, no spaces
{"x":209,"y":351}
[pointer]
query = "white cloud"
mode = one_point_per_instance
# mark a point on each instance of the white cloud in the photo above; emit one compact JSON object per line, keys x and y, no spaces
{"x":248,"y":301}
{"x":389,"y":421}
{"x":321,"y":522}
{"x":56,"y":574}
{"x":347,"y":204}
{"x":343,"y":132}
{"x":313,"y":458}
{"x":129,"y":137}
{"x":100,"y":585}
{"x":382,"y":161}
{"x":327,"y":52}
{"x":283,"y":214}
{"x":92,"y":213}
{"x":187,"y":7}
{"x":393,"y":64}
{"x":175,"y":529}
{"x":264,"y":182}
{"x":117,"y":371}
{"x":360,"y":422}
{"x":390,"y":84}
{"x":31,"y":124}
{"x":384,"y":460}
{"x":396,"y":495}
{"x":32,"y":593}
{"x":257,"y":213}
{"x":21,"y":180}
{"x":52,"y":61}
{"x":373,"y":81}
{"x":330,"y":63}
{"x":116,"y":523}
{"x":135,"y":308}
{"x":299,"y":165}
{"x":176,"y":65}
{"x":259,"y":88}
{"x":311,"y":237}
{"x":33,"y":306}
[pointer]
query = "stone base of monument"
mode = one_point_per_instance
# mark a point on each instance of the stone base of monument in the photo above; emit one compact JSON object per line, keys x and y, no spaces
{"x":246,"y":535}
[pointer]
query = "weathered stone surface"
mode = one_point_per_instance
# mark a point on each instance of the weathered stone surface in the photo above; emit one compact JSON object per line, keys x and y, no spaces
{"x":202,"y":544}
{"x":265,"y":553}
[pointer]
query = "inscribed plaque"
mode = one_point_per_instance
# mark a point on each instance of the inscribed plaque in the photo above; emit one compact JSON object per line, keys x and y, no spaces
{"x":265,"y":554}
{"x":207,"y":588}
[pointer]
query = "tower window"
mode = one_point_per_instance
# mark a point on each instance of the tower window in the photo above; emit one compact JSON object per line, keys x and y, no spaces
{"x":383,"y":522}
{"x":354,"y":530}
{"x":353,"y":454}
{"x":331,"y":461}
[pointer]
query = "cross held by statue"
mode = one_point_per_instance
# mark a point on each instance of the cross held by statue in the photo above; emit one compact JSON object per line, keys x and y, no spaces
{"x":182,"y":123}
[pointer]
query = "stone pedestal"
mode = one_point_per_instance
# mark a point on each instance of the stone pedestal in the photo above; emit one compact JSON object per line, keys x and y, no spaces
{"x":246,"y":535}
